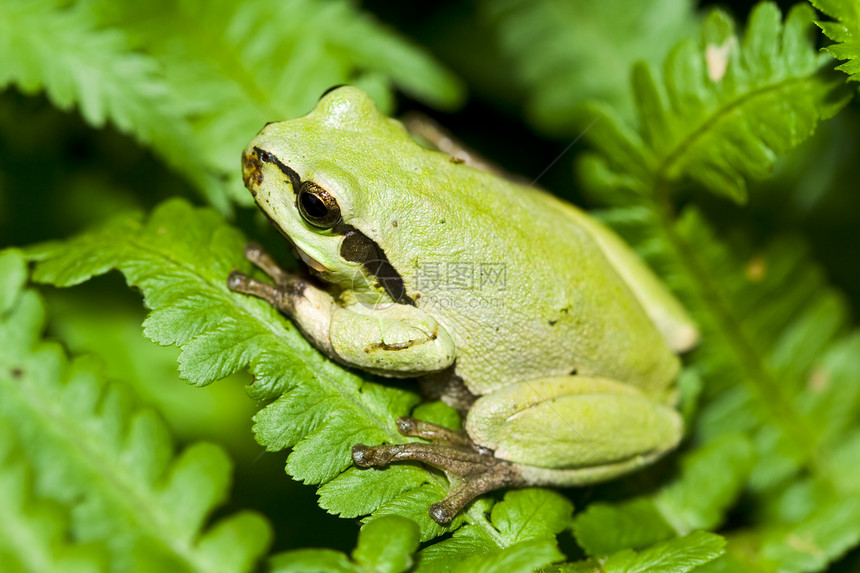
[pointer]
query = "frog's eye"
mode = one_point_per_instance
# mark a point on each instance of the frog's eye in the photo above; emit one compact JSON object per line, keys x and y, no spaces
{"x":317,"y":206}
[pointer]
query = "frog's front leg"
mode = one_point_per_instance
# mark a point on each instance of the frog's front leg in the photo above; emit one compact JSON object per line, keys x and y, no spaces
{"x":559,"y":431}
{"x":392,"y":340}
{"x":310,"y":307}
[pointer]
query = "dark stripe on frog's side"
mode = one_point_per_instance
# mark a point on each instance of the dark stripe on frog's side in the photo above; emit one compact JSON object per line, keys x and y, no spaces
{"x":267,"y":157}
{"x":359,"y":248}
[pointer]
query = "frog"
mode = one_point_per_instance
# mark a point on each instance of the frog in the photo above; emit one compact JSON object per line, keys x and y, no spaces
{"x":542,"y":327}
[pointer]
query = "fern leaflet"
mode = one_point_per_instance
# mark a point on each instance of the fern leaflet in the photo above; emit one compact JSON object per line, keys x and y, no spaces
{"x":844,"y":31}
{"x":566,"y":53}
{"x":93,"y":449}
{"x":726,"y":108}
{"x":775,"y":339}
{"x":76,"y":63}
{"x":34,"y":533}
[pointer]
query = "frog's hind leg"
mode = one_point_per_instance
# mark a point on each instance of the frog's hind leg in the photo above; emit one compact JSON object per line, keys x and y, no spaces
{"x":557,"y":431}
{"x":449,"y":388}
{"x":471,"y":470}
{"x":574,"y":430}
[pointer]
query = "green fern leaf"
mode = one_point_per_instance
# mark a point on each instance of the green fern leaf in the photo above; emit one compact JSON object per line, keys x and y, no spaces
{"x":244,"y":64}
{"x":772,"y":322}
{"x":180,"y":258}
{"x":565,"y":53}
{"x":777,"y":356}
{"x":676,"y":556}
{"x":196,"y":80}
{"x":92,"y":448}
{"x":699,"y":551}
{"x":34,"y":533}
{"x":779,"y":364}
{"x":385,"y":545}
{"x":529,"y":555}
{"x":806,"y":545}
{"x":710,"y":481}
{"x":845,"y":32}
{"x":827,"y":532}
{"x":725,"y":107}
{"x":76,"y":63}
{"x":527,"y":520}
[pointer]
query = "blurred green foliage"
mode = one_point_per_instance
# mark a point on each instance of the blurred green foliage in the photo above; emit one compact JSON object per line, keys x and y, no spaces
{"x":110,"y":108}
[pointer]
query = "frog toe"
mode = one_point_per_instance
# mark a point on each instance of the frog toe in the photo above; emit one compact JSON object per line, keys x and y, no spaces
{"x":470,"y":472}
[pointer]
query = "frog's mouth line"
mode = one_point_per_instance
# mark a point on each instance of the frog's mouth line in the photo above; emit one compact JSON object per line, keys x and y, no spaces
{"x":309,"y":260}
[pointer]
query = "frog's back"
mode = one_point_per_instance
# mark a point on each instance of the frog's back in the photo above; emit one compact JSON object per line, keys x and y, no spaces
{"x":515,"y":276}
{"x":526,"y":290}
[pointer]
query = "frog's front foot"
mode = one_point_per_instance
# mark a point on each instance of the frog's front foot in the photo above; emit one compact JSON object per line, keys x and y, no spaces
{"x":282,"y":295}
{"x":255,"y":253}
{"x":471,"y":470}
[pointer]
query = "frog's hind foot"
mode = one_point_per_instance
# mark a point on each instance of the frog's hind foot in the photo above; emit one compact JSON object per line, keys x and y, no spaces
{"x":414,"y":428}
{"x":471,"y":471}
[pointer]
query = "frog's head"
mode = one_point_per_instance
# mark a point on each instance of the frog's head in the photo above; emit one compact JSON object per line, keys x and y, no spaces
{"x":308,"y":177}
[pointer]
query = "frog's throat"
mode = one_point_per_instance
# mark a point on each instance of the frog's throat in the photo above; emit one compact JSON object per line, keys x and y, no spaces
{"x":310,"y":261}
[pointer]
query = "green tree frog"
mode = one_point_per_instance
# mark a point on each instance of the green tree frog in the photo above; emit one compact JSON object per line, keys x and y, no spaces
{"x":535,"y":321}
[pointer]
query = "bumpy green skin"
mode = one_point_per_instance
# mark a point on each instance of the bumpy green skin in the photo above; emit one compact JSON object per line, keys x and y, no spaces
{"x":572,"y":353}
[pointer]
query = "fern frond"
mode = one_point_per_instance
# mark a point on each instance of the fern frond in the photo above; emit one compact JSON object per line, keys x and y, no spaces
{"x":196,"y":80}
{"x":845,"y":31}
{"x":34,"y":533}
{"x":777,"y":356}
{"x":695,"y":552}
{"x":76,"y":63}
{"x":779,"y":362}
{"x":678,"y":555}
{"x":725,"y":107}
{"x":566,"y":53}
{"x":240,"y":65}
{"x":387,"y":544}
{"x":180,"y":258}
{"x":527,"y":520}
{"x":711,"y":479}
{"x":778,"y":365}
{"x":93,"y":449}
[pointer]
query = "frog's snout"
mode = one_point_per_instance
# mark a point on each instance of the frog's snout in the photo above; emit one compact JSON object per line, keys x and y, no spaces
{"x":252,"y":170}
